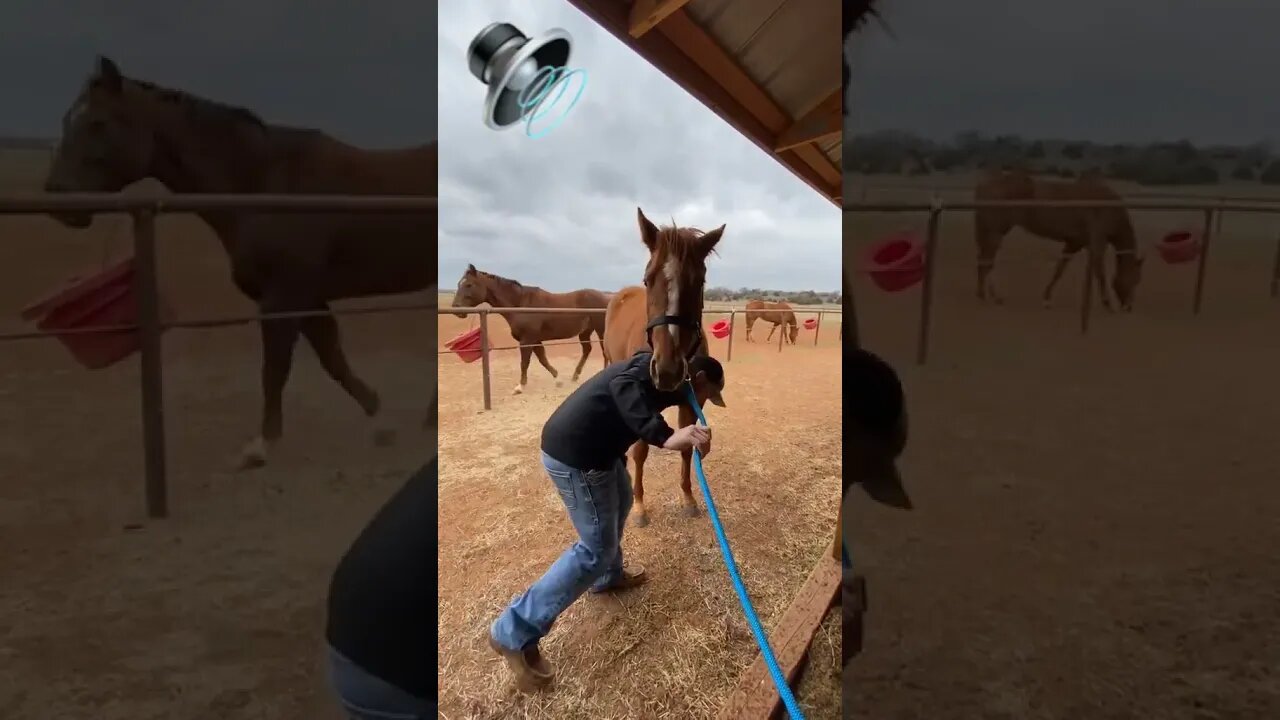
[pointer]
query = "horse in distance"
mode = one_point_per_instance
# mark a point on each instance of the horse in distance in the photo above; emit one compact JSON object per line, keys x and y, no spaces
{"x":121,"y":130}
{"x":530,"y":329}
{"x":774,"y":313}
{"x":1069,"y":226}
{"x":666,"y":316}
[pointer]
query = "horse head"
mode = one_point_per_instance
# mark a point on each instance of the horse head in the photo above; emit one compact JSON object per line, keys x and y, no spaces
{"x":1128,"y":275}
{"x":106,"y":141}
{"x":471,"y":290}
{"x":673,"y":280}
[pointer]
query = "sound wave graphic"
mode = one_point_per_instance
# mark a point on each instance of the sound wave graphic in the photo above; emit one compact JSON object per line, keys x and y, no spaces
{"x":536,"y":101}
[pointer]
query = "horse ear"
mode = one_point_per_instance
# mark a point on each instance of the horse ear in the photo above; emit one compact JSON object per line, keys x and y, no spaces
{"x":648,"y":232}
{"x":471,"y":269}
{"x":107,"y":75}
{"x":710,"y":239}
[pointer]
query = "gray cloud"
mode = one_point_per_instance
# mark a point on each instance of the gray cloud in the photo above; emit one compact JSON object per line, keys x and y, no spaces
{"x":364,"y":72}
{"x":559,"y":211}
{"x":1094,"y":69}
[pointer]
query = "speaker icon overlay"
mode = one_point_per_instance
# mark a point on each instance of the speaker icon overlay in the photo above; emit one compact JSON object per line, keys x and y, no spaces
{"x":528,"y":80}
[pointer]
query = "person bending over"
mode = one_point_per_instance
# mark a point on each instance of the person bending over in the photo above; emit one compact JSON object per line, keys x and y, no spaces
{"x":584,"y":445}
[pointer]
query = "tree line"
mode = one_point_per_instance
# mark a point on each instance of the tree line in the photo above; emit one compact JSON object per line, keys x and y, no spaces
{"x":1179,"y":162}
{"x":799,"y":297}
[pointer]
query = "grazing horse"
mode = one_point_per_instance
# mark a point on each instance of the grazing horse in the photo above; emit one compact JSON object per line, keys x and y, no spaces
{"x":121,"y":130}
{"x":1069,"y":226}
{"x":779,"y":313}
{"x":529,"y":330}
{"x":665,"y":315}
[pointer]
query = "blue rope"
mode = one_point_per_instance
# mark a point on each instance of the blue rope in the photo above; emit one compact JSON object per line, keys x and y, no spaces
{"x":779,"y":681}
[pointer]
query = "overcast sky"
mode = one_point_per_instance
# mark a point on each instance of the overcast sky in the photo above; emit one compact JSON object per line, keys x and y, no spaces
{"x":560,"y":211}
{"x":364,"y":72}
{"x":1092,"y":69}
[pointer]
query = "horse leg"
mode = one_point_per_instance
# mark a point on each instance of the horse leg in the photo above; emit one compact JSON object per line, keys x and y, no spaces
{"x":772,"y":328}
{"x":278,"y":340}
{"x":639,"y":452}
{"x":1063,"y":260}
{"x":687,"y":417}
{"x":1098,"y":268}
{"x":541,"y":352}
{"x":322,"y":334}
{"x":525,"y":354}
{"x":988,"y":239}
{"x":585,"y":339}
{"x":749,"y":324}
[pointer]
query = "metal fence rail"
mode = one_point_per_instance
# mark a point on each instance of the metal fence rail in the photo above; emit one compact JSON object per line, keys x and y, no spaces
{"x":486,"y":348}
{"x":937,"y":206}
{"x":144,"y":208}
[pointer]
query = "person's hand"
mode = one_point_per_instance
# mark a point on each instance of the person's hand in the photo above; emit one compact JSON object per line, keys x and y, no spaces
{"x":689,"y":437}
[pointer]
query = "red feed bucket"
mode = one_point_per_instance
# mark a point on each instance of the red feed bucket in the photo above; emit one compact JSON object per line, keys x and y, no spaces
{"x":896,"y":263}
{"x":466,"y":345}
{"x":720,"y":329}
{"x":811,"y":324}
{"x":1181,"y":246}
{"x":103,"y":299}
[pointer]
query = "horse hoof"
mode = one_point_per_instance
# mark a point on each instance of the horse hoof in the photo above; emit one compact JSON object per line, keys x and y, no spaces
{"x":640,"y":520}
{"x":384,"y":437}
{"x":251,"y":460}
{"x":518,"y":389}
{"x":691,"y":511}
{"x":559,"y":382}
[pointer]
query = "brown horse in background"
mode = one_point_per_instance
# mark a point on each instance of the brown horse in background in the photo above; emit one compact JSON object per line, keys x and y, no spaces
{"x":779,"y":313}
{"x":665,"y":315}
{"x":119,"y":131}
{"x":529,"y":329}
{"x":1069,"y":226}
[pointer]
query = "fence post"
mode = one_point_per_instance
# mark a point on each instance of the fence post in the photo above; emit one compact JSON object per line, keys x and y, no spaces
{"x":484,"y":357}
{"x":817,"y":328}
{"x":781,"y":335}
{"x":926,"y":292}
{"x":1204,"y":260}
{"x":732,"y":315}
{"x":1275,"y":271}
{"x":1091,"y":257}
{"x":149,"y":328}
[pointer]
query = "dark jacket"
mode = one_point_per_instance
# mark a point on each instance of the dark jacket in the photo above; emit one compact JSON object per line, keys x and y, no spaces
{"x":594,"y":426}
{"x":382,"y":595}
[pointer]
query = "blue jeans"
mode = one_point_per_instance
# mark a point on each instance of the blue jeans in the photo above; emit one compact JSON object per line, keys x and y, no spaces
{"x":367,"y":697}
{"x":598,"y":502}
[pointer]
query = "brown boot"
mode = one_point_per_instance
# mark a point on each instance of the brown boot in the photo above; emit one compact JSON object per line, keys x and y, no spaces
{"x":532,"y":671}
{"x":632,"y":576}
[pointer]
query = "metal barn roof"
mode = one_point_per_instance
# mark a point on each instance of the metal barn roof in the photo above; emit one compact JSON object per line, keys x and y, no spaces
{"x":769,"y":68}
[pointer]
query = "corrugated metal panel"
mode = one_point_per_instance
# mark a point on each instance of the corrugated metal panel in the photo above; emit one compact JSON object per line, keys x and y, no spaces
{"x":776,"y":42}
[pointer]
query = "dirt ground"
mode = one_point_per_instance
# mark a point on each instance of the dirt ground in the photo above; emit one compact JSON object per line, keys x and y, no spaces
{"x":676,"y":647}
{"x":1096,"y":516}
{"x":218,"y":611}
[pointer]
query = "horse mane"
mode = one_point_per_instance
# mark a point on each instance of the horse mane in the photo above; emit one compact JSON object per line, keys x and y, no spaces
{"x":679,"y":241}
{"x":200,"y":108}
{"x":505,"y":280}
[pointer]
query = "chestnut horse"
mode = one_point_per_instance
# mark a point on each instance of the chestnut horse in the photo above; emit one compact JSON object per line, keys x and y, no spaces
{"x":779,"y":313}
{"x":121,"y":130}
{"x":1069,"y":226}
{"x":529,"y":330}
{"x":670,"y":300}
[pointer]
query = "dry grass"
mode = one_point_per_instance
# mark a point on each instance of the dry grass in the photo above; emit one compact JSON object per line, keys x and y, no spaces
{"x":675,"y":648}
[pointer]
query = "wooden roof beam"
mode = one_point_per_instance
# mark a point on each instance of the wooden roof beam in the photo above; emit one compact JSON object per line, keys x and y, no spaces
{"x":820,"y":123}
{"x":706,"y":53}
{"x":647,"y":14}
